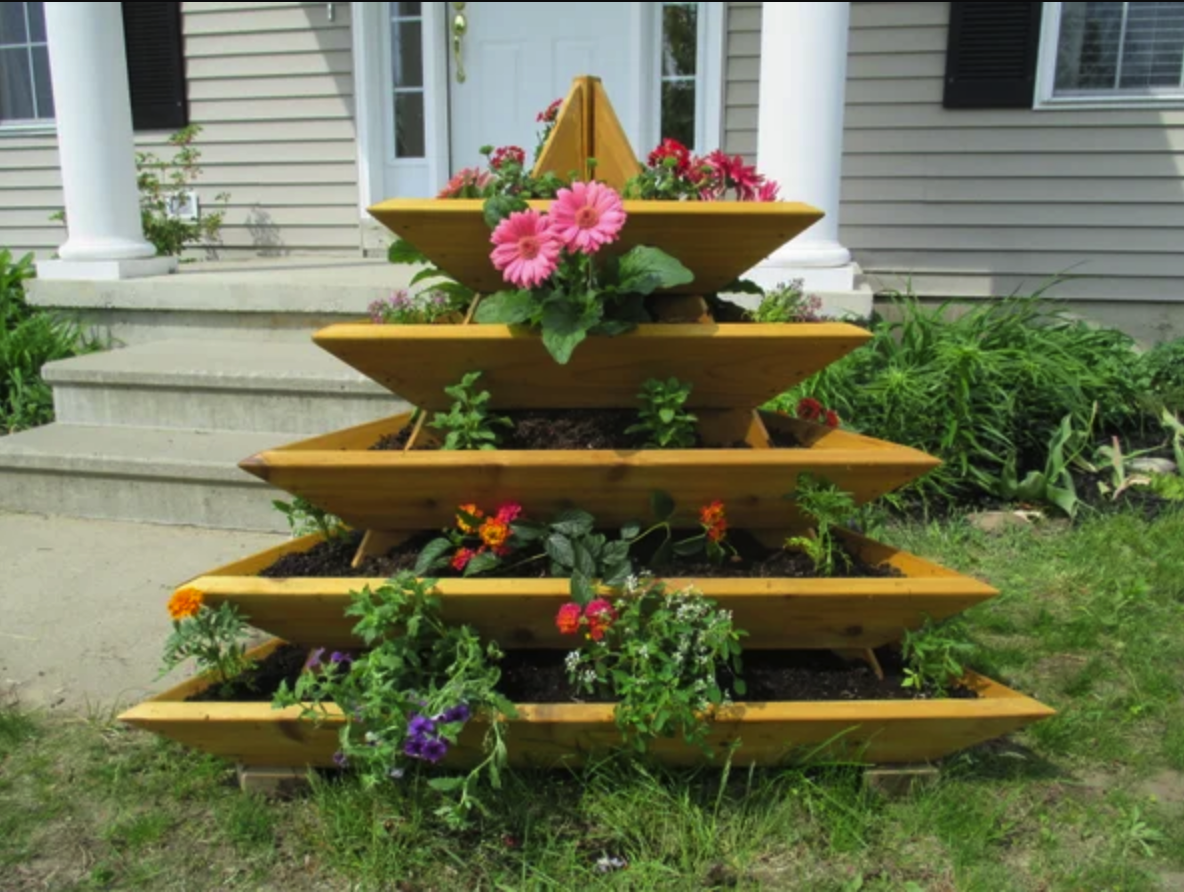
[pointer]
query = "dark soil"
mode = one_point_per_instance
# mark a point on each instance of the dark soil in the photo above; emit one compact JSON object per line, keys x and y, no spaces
{"x":784,"y":439}
{"x":257,"y":686}
{"x":539,"y":676}
{"x":395,"y":442}
{"x":332,"y":559}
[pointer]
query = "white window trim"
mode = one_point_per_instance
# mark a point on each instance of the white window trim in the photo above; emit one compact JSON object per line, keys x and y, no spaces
{"x":1046,"y":72}
{"x":709,"y":78}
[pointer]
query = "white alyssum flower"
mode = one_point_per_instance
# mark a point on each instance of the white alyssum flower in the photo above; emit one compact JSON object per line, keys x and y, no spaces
{"x":572,"y":661}
{"x":590,"y":677}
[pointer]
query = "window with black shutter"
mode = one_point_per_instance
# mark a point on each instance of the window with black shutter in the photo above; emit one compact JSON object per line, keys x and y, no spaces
{"x":155,"y":65}
{"x":992,"y":54}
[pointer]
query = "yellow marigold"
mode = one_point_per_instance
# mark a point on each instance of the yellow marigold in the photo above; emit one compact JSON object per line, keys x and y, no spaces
{"x":472,"y":511}
{"x":494,"y":533}
{"x":184,"y":603}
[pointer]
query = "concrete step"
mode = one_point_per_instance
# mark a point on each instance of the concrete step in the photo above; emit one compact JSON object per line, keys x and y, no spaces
{"x":215,"y":385}
{"x":145,"y":474}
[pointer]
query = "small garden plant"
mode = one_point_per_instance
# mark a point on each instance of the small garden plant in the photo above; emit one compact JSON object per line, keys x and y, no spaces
{"x":215,"y":638}
{"x":788,"y":303}
{"x":403,"y":308}
{"x":664,"y":420}
{"x":935,"y":656}
{"x":305,"y":518}
{"x":420,"y":683}
{"x":658,"y":654}
{"x":828,"y":507}
{"x":673,"y":173}
{"x":468,"y":424}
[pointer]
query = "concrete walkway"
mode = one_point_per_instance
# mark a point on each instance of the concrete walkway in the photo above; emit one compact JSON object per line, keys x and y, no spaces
{"x":82,"y":604}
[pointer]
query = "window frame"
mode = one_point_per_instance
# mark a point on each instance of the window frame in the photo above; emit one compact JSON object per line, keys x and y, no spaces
{"x":1046,"y":71}
{"x":34,"y":126}
{"x":709,"y":78}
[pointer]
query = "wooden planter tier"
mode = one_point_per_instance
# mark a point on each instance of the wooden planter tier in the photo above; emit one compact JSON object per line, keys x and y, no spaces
{"x":420,"y":489}
{"x":800,"y":614}
{"x":557,"y":734}
{"x":739,"y":365}
{"x":718,"y":241}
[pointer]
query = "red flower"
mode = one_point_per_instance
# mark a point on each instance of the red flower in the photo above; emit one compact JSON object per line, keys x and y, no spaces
{"x":509,"y":512}
{"x":600,"y":616}
{"x":461,"y":559}
{"x":832,"y":418}
{"x":714,"y":520}
{"x":550,"y":113}
{"x":810,"y":409}
{"x":568,"y":619}
{"x":671,"y":148}
{"x":768,"y":191}
{"x":507,"y":153}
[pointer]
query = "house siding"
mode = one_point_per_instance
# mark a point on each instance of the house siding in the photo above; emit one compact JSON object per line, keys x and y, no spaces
{"x":271,"y":85}
{"x":982,"y":202}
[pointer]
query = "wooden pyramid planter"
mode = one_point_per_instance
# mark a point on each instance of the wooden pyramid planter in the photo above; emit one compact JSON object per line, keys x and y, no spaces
{"x":750,"y":460}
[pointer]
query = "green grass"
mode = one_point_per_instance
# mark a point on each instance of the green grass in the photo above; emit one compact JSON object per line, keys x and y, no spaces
{"x":1089,"y":621}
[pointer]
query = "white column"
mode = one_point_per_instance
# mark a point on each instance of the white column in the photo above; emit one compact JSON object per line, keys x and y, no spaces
{"x":88,"y":67}
{"x":800,"y":136}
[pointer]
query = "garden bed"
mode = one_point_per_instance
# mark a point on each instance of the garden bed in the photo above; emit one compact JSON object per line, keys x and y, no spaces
{"x":779,"y":612}
{"x":555,"y":734}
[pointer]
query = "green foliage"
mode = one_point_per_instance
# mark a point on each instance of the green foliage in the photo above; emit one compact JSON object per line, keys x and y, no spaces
{"x":1054,"y":484}
{"x":468,"y":424}
{"x":304,"y":518}
{"x":1163,"y":368}
{"x":935,"y":656}
{"x":828,"y":507}
{"x":659,"y":658}
{"x":664,"y":421}
{"x":29,"y":338}
{"x":456,"y":297}
{"x":787,"y":303}
{"x":215,"y":638}
{"x":582,"y":298}
{"x":576,"y":551}
{"x":981,"y":388}
{"x":712,"y":538}
{"x":411,"y":694}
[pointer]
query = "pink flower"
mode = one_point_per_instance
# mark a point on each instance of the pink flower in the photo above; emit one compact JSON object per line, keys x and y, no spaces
{"x":507,"y":154}
{"x":671,"y":148}
{"x":568,"y":618}
{"x":587,"y":216}
{"x":509,"y":512}
{"x":461,"y":559}
{"x":527,"y":250}
{"x":550,"y":113}
{"x":467,"y":183}
{"x":600,"y":615}
{"x":768,"y":191}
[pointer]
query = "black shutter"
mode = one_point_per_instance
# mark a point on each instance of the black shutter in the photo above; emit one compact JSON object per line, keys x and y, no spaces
{"x":991,"y":58}
{"x":155,"y":65}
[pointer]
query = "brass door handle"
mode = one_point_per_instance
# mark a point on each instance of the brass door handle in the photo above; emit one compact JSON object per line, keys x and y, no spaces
{"x":460,"y":27}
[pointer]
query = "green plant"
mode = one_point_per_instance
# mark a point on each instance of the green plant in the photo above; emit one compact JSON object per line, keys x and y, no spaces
{"x":410,"y":694}
{"x":934,"y":656}
{"x":711,"y":539}
{"x":828,"y":507}
{"x":160,"y":182}
{"x":664,"y":421}
{"x":787,"y":303}
{"x":215,"y":638}
{"x":401,"y":308}
{"x":305,"y":518}
{"x":1163,"y":367}
{"x":658,"y":653}
{"x":403,"y":253}
{"x":1054,"y":485}
{"x":468,"y":424}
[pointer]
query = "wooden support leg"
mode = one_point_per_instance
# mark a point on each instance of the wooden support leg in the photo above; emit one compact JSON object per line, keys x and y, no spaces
{"x":265,"y":781}
{"x":375,"y":542}
{"x":898,"y":781}
{"x":866,"y":656}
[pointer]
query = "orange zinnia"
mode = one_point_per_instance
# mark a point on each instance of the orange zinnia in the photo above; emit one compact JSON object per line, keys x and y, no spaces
{"x":494,"y":533}
{"x":184,"y":603}
{"x":714,"y":520}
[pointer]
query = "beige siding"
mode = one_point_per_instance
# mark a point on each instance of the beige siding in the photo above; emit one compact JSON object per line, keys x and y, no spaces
{"x":272,"y":86}
{"x":977,"y":203}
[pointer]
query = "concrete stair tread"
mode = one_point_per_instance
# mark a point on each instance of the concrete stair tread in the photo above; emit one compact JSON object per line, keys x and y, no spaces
{"x":181,"y":455}
{"x":214,"y":364}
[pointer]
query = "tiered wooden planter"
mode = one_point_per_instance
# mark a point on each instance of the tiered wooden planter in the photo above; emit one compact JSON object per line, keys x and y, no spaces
{"x":734,"y":368}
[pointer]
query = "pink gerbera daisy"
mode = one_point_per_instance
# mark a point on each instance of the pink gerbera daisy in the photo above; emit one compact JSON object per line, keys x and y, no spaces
{"x":527,"y":250}
{"x":587,"y":216}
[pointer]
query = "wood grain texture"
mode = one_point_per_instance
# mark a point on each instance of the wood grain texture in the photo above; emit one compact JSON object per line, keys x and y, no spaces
{"x":552,"y":735}
{"x":729,"y":366}
{"x":717,"y":240}
{"x":420,"y":489}
{"x":587,"y":127}
{"x":845,"y":614}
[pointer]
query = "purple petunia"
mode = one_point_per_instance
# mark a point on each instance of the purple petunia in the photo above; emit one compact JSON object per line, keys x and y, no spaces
{"x":414,"y":747}
{"x":434,"y":750}
{"x":338,"y":657}
{"x":314,"y":658}
{"x":421,"y":726}
{"x":340,"y":759}
{"x":458,"y":713}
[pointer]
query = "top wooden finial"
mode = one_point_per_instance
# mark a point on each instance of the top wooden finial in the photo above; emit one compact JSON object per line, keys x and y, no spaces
{"x":587,"y":127}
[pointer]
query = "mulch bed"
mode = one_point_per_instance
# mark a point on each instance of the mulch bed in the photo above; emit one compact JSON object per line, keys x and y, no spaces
{"x":539,"y":676}
{"x":332,"y":559}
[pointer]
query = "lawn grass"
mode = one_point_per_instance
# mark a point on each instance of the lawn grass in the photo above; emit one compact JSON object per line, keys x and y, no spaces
{"x":1089,"y":621}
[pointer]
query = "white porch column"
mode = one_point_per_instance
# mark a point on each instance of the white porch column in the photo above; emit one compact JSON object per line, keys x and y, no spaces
{"x":88,"y":68}
{"x":800,"y":137}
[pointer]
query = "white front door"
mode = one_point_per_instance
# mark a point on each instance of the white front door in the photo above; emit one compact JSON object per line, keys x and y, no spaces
{"x":514,"y":59}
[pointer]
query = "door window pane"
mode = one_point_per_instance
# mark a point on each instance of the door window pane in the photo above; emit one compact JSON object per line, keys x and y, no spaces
{"x":409,"y":126}
{"x":407,"y":53}
{"x":407,"y":79}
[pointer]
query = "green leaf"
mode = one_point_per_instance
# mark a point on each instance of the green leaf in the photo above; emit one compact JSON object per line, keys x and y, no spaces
{"x":430,"y":273}
{"x":499,"y":207}
{"x":431,"y":556}
{"x":689,"y":547}
{"x":560,"y":550}
{"x":446,"y":784}
{"x":631,"y":530}
{"x":573,"y":522}
{"x":661,"y":504}
{"x":528,"y":530}
{"x":610,"y":328}
{"x":402,"y":252}
{"x":506,"y":308}
{"x":566,"y":321}
{"x":584,"y":562}
{"x":667,"y":415}
{"x":616,"y":574}
{"x":583,"y":592}
{"x":482,"y":563}
{"x":561,"y":345}
{"x":644,"y":270}
{"x":740,"y":687}
{"x":663,"y":555}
